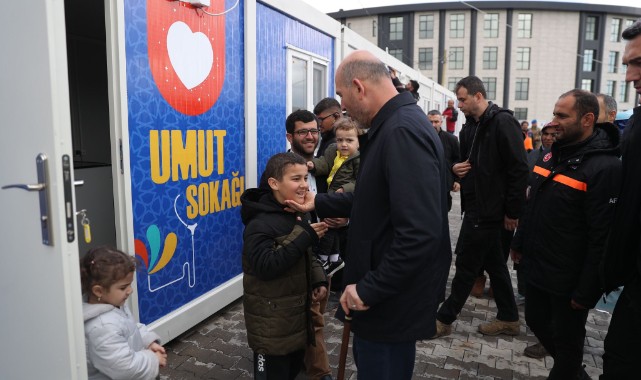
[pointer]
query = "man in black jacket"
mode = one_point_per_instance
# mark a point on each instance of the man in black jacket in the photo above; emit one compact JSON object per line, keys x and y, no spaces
{"x":398,"y":239}
{"x":451,"y":151}
{"x":493,"y":181}
{"x":622,"y":263}
{"x":562,"y":234}
{"x":328,"y":112}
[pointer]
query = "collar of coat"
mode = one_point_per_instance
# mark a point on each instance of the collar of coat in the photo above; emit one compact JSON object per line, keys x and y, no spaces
{"x":388,"y":109}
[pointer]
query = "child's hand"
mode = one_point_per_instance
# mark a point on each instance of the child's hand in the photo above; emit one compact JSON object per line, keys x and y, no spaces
{"x":155,"y":347}
{"x":319,"y":293}
{"x":320,"y":228}
{"x":339,"y":190}
{"x":162,"y":358}
{"x":310,"y":165}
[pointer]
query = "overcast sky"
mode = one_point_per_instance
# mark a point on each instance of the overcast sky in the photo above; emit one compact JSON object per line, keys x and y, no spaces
{"x":327,"y":6}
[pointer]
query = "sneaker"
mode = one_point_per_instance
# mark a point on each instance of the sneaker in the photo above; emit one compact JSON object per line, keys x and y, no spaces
{"x":442,"y":329}
{"x":536,"y":351}
{"x":497,"y":327}
{"x":324,"y":264}
{"x":479,"y":287}
{"x":334,"y":267}
{"x":519,"y":299}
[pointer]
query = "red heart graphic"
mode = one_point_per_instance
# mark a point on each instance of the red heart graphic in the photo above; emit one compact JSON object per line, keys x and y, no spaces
{"x":192,"y":79}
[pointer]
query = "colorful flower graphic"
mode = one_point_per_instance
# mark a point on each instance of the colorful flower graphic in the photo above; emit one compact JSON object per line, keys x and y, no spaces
{"x":156,"y":262}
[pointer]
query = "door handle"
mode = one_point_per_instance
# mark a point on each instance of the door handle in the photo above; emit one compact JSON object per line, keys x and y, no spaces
{"x":36,"y":187}
{"x":43,"y":195}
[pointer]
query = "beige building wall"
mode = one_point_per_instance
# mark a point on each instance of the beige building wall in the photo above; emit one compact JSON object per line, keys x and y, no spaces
{"x":427,"y":43}
{"x":619,"y":76}
{"x":553,"y":58}
{"x":498,"y":42}
{"x":364,"y":27}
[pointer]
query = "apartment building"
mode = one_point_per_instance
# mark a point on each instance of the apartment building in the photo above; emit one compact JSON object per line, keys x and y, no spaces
{"x":527,"y":53}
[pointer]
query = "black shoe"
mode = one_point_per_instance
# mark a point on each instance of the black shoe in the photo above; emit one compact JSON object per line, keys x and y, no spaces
{"x":334,"y":267}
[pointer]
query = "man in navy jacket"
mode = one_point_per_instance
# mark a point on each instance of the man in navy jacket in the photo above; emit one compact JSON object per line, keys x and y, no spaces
{"x":399,"y":236}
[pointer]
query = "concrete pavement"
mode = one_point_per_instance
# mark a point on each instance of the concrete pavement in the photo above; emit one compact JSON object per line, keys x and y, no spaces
{"x":217,"y":347}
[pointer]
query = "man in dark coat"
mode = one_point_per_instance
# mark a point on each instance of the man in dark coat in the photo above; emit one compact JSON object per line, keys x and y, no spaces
{"x":328,"y":112}
{"x":451,"y":151}
{"x":563,"y":232}
{"x":398,"y":239}
{"x":622,"y":263}
{"x":493,"y":182}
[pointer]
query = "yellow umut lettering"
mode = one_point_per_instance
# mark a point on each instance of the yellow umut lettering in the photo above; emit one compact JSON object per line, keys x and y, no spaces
{"x":180,"y":155}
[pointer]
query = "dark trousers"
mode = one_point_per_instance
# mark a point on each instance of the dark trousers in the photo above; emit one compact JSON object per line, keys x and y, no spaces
{"x":623,"y":342}
{"x":384,"y":361}
{"x":560,"y":329}
{"x":278,"y":367}
{"x":480,"y":248}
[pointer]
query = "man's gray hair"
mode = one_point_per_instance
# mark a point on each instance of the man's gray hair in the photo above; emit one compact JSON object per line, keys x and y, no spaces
{"x":610,"y":102}
{"x":363,"y":69}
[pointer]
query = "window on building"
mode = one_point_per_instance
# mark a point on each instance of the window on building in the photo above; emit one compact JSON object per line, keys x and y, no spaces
{"x":395,"y":28}
{"x":615,"y":30}
{"x":306,"y":80}
{"x":456,"y":57}
{"x":490,"y":57}
{"x":523,"y":58}
{"x":396,"y":53}
{"x":588,"y":60}
{"x":613,"y":59}
{"x":491,"y":25}
{"x":490,"y":88}
{"x":628,"y":23}
{"x":520,"y":113}
{"x":426,"y":26}
{"x":624,"y":91}
{"x":374,"y":28}
{"x":610,"y":88}
{"x":524,"y":25}
{"x":457,"y":25}
{"x":451,"y":82}
{"x":587,"y":85}
{"x":425,"y":57}
{"x":522,"y":88}
{"x":591,"y":28}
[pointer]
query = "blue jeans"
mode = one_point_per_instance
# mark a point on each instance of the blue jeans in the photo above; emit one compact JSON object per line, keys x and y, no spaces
{"x":384,"y":361}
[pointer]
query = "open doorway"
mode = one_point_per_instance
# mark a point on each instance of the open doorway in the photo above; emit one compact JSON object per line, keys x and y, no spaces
{"x":89,"y":103}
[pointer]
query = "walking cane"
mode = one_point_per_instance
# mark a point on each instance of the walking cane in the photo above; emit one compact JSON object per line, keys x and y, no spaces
{"x":347,"y":326}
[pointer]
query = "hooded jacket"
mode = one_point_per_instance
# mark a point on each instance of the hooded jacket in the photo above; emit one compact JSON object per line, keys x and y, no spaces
{"x":117,"y":345}
{"x":571,"y":203}
{"x":280,"y":272}
{"x":499,"y":174}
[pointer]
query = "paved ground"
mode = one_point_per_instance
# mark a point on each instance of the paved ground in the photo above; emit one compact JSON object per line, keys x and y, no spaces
{"x":217,"y":347}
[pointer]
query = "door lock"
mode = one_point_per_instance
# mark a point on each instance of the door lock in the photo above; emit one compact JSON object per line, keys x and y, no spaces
{"x":43,"y":194}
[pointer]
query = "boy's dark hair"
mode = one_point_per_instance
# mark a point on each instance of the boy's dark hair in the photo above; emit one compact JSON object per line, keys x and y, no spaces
{"x":586,"y":102}
{"x":632,"y":31}
{"x":104,"y":266}
{"x":300,"y":115}
{"x":326,"y":104}
{"x":279,"y":162}
{"x":473,"y":85}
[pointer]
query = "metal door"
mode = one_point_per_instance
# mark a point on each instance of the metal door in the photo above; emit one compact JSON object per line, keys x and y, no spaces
{"x":41,"y":325}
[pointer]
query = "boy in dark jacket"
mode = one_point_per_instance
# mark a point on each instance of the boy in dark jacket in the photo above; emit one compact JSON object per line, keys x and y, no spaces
{"x":281,"y":276}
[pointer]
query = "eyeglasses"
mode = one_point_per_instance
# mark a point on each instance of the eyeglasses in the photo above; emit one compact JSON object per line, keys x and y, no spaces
{"x":336,"y":115}
{"x":304,"y":132}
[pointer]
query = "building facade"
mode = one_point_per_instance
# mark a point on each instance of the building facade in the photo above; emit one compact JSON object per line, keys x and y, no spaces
{"x":527,"y":53}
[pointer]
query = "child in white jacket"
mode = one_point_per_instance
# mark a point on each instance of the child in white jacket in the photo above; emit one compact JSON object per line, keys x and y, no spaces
{"x":117,"y":346}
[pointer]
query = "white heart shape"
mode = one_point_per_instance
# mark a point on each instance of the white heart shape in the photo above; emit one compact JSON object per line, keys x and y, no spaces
{"x":190,"y":54}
